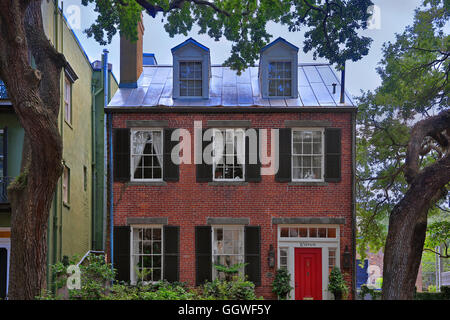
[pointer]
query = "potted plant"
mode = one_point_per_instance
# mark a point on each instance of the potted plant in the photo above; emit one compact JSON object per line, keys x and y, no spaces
{"x":337,"y":284}
{"x":282,"y":284}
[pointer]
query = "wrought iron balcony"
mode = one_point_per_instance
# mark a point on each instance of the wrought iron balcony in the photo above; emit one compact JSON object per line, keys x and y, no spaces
{"x":4,"y":182}
{"x":3,"y":92}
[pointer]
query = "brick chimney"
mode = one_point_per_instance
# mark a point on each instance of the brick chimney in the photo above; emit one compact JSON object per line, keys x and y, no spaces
{"x":131,"y":59}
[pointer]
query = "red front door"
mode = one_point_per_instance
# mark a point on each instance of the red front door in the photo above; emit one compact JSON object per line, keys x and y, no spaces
{"x":308,"y":274}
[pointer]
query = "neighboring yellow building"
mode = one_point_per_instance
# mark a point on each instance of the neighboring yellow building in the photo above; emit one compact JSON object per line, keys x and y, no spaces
{"x":77,"y":217}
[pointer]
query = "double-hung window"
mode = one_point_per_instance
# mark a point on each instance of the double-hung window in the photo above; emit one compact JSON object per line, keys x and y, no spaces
{"x":191,"y":79}
{"x":307,"y":155}
{"x":67,"y":101}
{"x":146,"y":254}
{"x":280,"y":79}
{"x":228,"y":154}
{"x":146,"y":154}
{"x":228,"y":249}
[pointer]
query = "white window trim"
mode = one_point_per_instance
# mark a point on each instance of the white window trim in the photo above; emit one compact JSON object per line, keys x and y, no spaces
{"x":132,"y":272}
{"x":68,"y":100}
{"x":179,"y":79}
{"x":232,"y":227}
{"x":269,"y":79}
{"x":244,"y":156}
{"x":132,"y":179}
{"x":322,"y":179}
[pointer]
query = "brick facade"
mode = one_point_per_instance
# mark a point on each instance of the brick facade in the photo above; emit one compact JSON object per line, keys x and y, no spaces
{"x":187,"y":203}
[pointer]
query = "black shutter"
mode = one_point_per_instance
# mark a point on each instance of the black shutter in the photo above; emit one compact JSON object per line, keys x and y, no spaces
{"x":204,"y":171}
{"x":252,"y":170}
{"x":3,"y":272}
{"x":121,"y":155}
{"x":122,"y":253}
{"x":171,"y":171}
{"x":171,"y":253}
{"x":253,"y":254}
{"x":284,"y":155}
{"x":332,"y":154}
{"x":203,"y":254}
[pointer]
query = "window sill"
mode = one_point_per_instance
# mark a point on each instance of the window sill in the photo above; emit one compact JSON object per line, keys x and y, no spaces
{"x":308,"y":183}
{"x":228,"y":183}
{"x":147,"y":183}
{"x":68,"y":124}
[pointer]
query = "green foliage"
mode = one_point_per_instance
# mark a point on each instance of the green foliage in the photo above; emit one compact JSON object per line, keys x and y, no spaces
{"x":236,"y":289}
{"x":433,"y":295}
{"x":229,"y":271}
{"x":282,"y":284}
{"x":365,"y":290}
{"x":331,"y":26}
{"x":336,"y":283}
{"x":161,"y":290}
{"x":414,"y":72}
{"x":438,"y":233}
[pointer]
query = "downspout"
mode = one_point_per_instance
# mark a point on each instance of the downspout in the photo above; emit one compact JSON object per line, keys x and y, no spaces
{"x":354,"y":202}
{"x":111,"y":197}
{"x":62,"y":131}
{"x":105,"y":145}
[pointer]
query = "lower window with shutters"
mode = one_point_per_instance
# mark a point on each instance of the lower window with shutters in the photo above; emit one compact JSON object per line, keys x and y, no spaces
{"x":228,"y":249}
{"x":146,"y":254}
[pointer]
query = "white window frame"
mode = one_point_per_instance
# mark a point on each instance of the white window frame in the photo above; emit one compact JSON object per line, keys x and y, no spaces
{"x":239,"y":228}
{"x":68,"y":101}
{"x":322,"y":131}
{"x":224,"y":155}
{"x":133,"y":275}
{"x":66,"y":185}
{"x":6,"y":243}
{"x":274,"y":61}
{"x":2,"y":155}
{"x":132,"y":178}
{"x":180,"y":79}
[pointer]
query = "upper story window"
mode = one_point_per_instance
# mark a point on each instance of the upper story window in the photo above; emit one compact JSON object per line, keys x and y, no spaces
{"x":146,"y":154}
{"x":68,"y":100}
{"x":190,"y":79}
{"x":229,"y":155}
{"x":307,"y":155}
{"x":191,"y":70}
{"x":280,"y":79}
{"x":278,"y":70}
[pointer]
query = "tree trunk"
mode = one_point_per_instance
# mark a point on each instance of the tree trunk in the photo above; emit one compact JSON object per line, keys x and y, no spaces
{"x":35,"y":98}
{"x":408,"y":219}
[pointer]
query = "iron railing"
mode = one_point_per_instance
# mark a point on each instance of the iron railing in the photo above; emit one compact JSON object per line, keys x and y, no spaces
{"x":4,"y":182}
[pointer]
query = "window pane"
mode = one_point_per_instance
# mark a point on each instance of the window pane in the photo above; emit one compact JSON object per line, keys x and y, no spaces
{"x":313,"y":232}
{"x":284,"y":232}
{"x":303,"y":232}
{"x":296,"y":173}
{"x":322,"y":232}
{"x":331,"y":233}
{"x":293,"y":232}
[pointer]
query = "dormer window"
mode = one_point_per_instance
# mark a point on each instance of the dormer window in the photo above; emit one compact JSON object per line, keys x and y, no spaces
{"x":190,"y":79}
{"x":280,"y":79}
{"x":191,"y":70}
{"x":278,"y":70}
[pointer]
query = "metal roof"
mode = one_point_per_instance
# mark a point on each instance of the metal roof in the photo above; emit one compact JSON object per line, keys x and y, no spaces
{"x":190,"y":40}
{"x":279,"y":39}
{"x":227,"y":89}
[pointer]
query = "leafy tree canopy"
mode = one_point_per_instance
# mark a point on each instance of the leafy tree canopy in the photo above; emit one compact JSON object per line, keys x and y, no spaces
{"x":414,"y":72}
{"x":331,"y":26}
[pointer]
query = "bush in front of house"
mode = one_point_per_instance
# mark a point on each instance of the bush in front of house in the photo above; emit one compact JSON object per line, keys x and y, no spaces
{"x":97,"y":275}
{"x":282,"y":284}
{"x":443,"y":295}
{"x":236,"y":289}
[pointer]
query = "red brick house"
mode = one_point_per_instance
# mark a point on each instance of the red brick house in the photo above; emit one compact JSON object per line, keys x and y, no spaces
{"x":175,"y":220}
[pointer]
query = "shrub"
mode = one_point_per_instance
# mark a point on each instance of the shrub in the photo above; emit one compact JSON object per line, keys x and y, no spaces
{"x":337,"y":284}
{"x":282,"y":284}
{"x":237,"y":289}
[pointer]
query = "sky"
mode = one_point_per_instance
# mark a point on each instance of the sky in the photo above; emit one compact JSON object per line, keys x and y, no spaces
{"x":391,"y":16}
